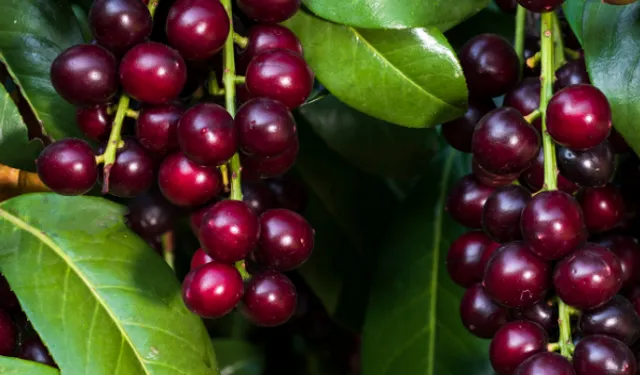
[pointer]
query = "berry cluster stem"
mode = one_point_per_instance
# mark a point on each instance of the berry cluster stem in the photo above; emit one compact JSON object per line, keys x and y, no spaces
{"x":114,"y":139}
{"x":521,"y":17}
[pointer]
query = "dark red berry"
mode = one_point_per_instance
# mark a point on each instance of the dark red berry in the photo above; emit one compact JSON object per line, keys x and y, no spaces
{"x":255,"y":167}
{"x":286,"y":240}
{"x":593,"y":167}
{"x":280,"y":75}
{"x":503,"y":142}
{"x":33,"y":349}
{"x":516,"y":277}
{"x":8,"y":334}
{"x":479,"y":314}
{"x":533,"y":177}
{"x":627,"y":249}
{"x":265,"y":127}
{"x":269,"y":11}
{"x":68,"y":167}
{"x":94,"y":122}
{"x":514,"y":343}
{"x":490,"y":65}
{"x":258,"y":196}
{"x":552,"y":224}
{"x":617,"y":319}
{"x":199,"y":258}
{"x":153,"y":73}
{"x":197,"y":28}
{"x":507,"y":6}
{"x":212,"y":290}
{"x":465,"y":255}
{"x":525,"y":98}
{"x":119,"y":24}
{"x":603,"y":208}
{"x":579,"y":117}
{"x":540,"y":6}
{"x":269,"y":300}
{"x":186,"y":183}
{"x":459,"y":132}
{"x":206,"y":134}
{"x":264,"y":37}
{"x":545,"y":364}
{"x":85,"y":74}
{"x":466,"y":200}
{"x":151,"y":215}
{"x":290,"y":193}
{"x":599,"y":354}
{"x":588,"y":278}
{"x":502,"y":211}
{"x":542,"y":313}
{"x":572,"y":73}
{"x":133,"y":171}
{"x":195,"y":219}
{"x":156,"y":128}
{"x":491,"y":179}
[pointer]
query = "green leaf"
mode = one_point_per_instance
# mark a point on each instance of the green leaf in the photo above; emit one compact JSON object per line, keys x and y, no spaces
{"x":412,"y":324}
{"x":237,"y":357}
{"x":101,"y":299}
{"x":407,"y":77}
{"x":15,"y":366}
{"x":370,"y":144}
{"x":32,"y":34}
{"x":573,"y":11}
{"x":396,"y":14}
{"x":15,"y":148}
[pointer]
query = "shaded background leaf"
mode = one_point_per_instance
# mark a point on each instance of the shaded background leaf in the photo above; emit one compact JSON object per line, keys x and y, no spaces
{"x":237,"y":357}
{"x":15,"y":366}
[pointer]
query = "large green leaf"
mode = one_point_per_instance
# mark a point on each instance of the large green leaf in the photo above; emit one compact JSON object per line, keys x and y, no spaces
{"x":396,"y":14}
{"x":100,"y":298}
{"x":15,"y":366}
{"x":412,"y":324}
{"x":15,"y":148}
{"x":32,"y":34}
{"x":573,"y":11}
{"x":237,"y":357}
{"x":370,"y":144}
{"x":407,"y":77}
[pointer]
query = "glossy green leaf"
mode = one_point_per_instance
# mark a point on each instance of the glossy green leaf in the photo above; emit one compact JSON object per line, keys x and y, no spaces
{"x":15,"y":366}
{"x":370,"y":144}
{"x":32,"y":34}
{"x":413,"y":324}
{"x":407,"y":77}
{"x":102,"y":300}
{"x":15,"y":148}
{"x":396,"y":14}
{"x":237,"y":357}
{"x":573,"y":11}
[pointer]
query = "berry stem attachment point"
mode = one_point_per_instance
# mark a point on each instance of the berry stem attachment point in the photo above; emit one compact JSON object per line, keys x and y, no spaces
{"x":531,"y":117}
{"x":521,"y":17}
{"x":212,"y":85}
{"x":240,"y":40}
{"x":132,"y":113}
{"x":100,"y":159}
{"x":240,"y":80}
{"x":534,"y":60}
{"x":114,"y":139}
{"x":242,"y":268}
{"x":153,"y":5}
{"x":553,"y":347}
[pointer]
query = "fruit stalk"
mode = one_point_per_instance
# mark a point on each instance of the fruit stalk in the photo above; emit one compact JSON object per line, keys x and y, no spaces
{"x":15,"y":182}
{"x":114,"y":139}
{"x":521,"y":17}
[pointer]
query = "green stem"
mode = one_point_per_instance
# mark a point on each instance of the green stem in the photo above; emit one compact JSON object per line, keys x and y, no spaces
{"x":521,"y":18}
{"x":212,"y":85}
{"x":114,"y":139}
{"x":153,"y":4}
{"x":558,"y":42}
{"x":240,"y":40}
{"x":564,"y":320}
{"x":132,"y":113}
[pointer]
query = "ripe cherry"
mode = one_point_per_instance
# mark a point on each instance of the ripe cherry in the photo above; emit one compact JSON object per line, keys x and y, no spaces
{"x":68,"y":167}
{"x":490,"y":65}
{"x":265,"y":127}
{"x":206,"y":134}
{"x":212,"y":290}
{"x":514,"y":343}
{"x":542,"y":313}
{"x":588,"y":278}
{"x":186,"y":183}
{"x":281,"y":75}
{"x":290,"y":192}
{"x":465,"y":255}
{"x":545,"y":364}
{"x":627,"y":249}
{"x":593,"y":167}
{"x":617,"y":319}
{"x":540,"y":6}
{"x":572,"y":73}
{"x":199,"y":258}
{"x":119,"y":24}
{"x":479,"y":314}
{"x":195,"y":218}
{"x":156,"y":128}
{"x":151,"y":215}
{"x":133,"y":171}
{"x":33,"y":349}
{"x":466,"y":200}
{"x":256,"y":167}
{"x":8,"y":334}
{"x":603,"y":208}
{"x":579,"y":117}
{"x":525,"y":98}
{"x":286,"y":240}
{"x":491,"y":179}
{"x":533,"y":177}
{"x":269,"y":11}
{"x":258,"y":196}
{"x":153,"y":73}
{"x":269,"y":300}
{"x":599,"y":354}
{"x":502,"y":211}
{"x":94,"y":122}
{"x":264,"y":37}
{"x":85,"y":74}
{"x":459,"y":132}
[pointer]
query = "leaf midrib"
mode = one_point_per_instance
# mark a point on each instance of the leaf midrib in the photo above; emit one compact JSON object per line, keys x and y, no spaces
{"x":38,"y":234}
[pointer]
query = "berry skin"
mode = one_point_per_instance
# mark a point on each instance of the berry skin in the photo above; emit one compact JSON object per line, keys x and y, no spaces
{"x":603,"y":208}
{"x":552,"y":224}
{"x":572,"y":73}
{"x":627,"y":249}
{"x":545,"y":364}
{"x":195,"y":219}
{"x":94,"y":122}
{"x":593,"y":167}
{"x":490,"y":65}
{"x":465,"y":255}
{"x":617,"y":319}
{"x":212,"y":290}
{"x":459,"y":132}
{"x":599,"y":354}
{"x":533,"y":177}
{"x":206,"y":134}
{"x":542,"y":313}
{"x":286,"y":240}
{"x":229,"y":231}
{"x":516,"y":277}
{"x":197,"y":28}
{"x":579,"y":117}
{"x":466,"y":200}
{"x":502,"y":211}
{"x":119,"y":24}
{"x":68,"y":167}
{"x":85,"y":74}
{"x":151,"y":215}
{"x":503,"y":142}
{"x":8,"y":334}
{"x":258,"y":196}
{"x":588,"y":278}
{"x":540,"y":6}
{"x":186,"y":183}
{"x":269,"y":11}
{"x":33,"y":349}
{"x":479,"y":314}
{"x":256,"y":167}
{"x":265,"y":127}
{"x":280,"y":75}
{"x":133,"y":171}
{"x":491,"y":179}
{"x":525,"y":98}
{"x":291,"y":193}
{"x":270,"y":299}
{"x":156,"y":128}
{"x":263,"y":38}
{"x":153,"y":73}
{"x":514,"y":343}
{"x":199,"y":258}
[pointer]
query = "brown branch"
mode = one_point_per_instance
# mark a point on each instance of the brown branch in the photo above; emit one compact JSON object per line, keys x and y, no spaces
{"x":15,"y":182}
